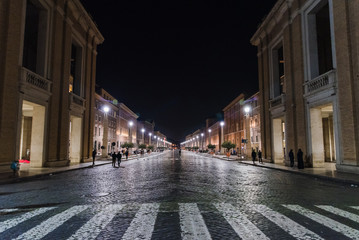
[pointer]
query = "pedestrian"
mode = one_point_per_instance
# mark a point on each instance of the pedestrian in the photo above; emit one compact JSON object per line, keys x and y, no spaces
{"x":94,"y":152}
{"x":126,"y":153}
{"x":114,"y":156}
{"x":260,"y":156}
{"x":254,"y":155}
{"x":291,"y":158}
{"x":300,"y":159}
{"x":119,"y":156}
{"x":15,"y":166}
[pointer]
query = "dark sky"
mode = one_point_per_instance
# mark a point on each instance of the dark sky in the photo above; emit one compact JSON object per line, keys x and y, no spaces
{"x":177,"y":62}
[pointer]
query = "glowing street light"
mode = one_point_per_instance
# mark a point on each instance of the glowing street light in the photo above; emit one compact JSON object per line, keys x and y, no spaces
{"x":222,"y":124}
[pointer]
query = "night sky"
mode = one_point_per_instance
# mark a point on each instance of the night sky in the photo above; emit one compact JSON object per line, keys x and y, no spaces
{"x":177,"y":62}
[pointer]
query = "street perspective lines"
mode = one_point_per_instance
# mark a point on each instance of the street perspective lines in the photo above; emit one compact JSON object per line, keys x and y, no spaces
{"x":195,"y":221}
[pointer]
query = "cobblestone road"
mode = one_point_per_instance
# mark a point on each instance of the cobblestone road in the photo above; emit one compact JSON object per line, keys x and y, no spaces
{"x":172,"y":197}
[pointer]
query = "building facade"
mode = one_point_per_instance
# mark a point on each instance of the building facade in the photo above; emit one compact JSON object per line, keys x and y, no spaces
{"x":106,"y":123}
{"x":48,"y":55}
{"x":308,"y":66}
{"x":127,"y":128}
{"x":242,"y":124}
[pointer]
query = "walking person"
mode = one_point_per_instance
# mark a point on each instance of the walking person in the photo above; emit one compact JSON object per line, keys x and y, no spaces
{"x":126,"y":153}
{"x":260,"y":156}
{"x":94,"y":153}
{"x":300,"y":159}
{"x":114,"y":156}
{"x":119,"y":157}
{"x":254,"y":155}
{"x":291,"y":158}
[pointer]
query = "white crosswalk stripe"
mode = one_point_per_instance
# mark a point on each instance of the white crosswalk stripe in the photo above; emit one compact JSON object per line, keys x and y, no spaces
{"x":192,"y":223}
{"x":13,"y":222}
{"x":51,"y":224}
{"x":239,"y":222}
{"x":95,"y":225}
{"x":340,"y":212}
{"x":143,"y":224}
{"x":287,"y":224}
{"x":334,"y":225}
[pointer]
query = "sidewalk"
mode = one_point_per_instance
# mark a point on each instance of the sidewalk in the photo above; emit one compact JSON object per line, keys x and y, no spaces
{"x":27,"y":173}
{"x":328,"y":172}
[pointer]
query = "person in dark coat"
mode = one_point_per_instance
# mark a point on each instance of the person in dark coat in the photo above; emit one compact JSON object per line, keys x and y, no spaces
{"x":119,"y":157}
{"x":291,"y":158}
{"x":260,"y":156}
{"x":300,"y":159}
{"x":254,"y":155}
{"x":114,"y":156}
{"x":126,"y":154}
{"x":94,"y":152}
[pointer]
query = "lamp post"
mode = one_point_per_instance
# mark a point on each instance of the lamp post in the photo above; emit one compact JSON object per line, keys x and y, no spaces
{"x":202,"y":135}
{"x":247,"y":144}
{"x":150,"y":134}
{"x":106,"y":109}
{"x":209,"y":136}
{"x":222,"y":124}
{"x":130,"y":124}
{"x":143,"y":135}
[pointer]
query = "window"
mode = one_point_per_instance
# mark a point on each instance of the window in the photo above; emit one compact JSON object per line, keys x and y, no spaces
{"x":99,"y":131}
{"x":75,"y":69}
{"x":318,"y":39}
{"x":35,"y":38}
{"x":278,"y":87}
{"x":95,"y":131}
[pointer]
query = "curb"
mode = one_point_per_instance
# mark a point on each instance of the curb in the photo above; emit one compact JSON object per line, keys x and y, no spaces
{"x":306,"y":174}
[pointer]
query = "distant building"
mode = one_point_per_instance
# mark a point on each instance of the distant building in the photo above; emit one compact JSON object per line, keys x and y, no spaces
{"x":308,"y":82}
{"x":47,"y":82}
{"x":127,"y":128}
{"x":144,"y":137}
{"x":106,"y":123}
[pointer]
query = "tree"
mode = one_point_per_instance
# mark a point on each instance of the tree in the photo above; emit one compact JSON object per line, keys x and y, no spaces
{"x":188,"y":148}
{"x":195,"y":148}
{"x":228,"y":145}
{"x":142,"y":146}
{"x":150,"y":147}
{"x":211,"y":146}
{"x":127,"y":145}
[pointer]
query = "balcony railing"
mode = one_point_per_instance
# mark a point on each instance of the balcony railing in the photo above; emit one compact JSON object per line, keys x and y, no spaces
{"x":76,"y":100}
{"x":325,"y":80}
{"x":277,"y":101}
{"x":35,"y":80}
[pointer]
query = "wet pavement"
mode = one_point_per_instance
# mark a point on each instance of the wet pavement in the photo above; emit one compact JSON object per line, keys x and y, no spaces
{"x":169,"y":196}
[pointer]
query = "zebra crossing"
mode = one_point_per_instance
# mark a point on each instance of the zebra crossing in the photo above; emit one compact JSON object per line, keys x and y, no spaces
{"x":296,"y":221}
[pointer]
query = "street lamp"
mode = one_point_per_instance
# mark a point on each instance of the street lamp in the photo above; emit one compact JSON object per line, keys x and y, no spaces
{"x":247,"y":144}
{"x":209,"y":136}
{"x":197,"y":142}
{"x":222,"y":124}
{"x":130,"y":123}
{"x":202,"y":134}
{"x":105,"y":151}
{"x":143,"y":135}
{"x":150,"y":138}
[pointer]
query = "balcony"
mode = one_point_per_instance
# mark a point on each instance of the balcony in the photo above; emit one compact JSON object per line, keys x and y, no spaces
{"x":76,"y":101}
{"x":277,"y":101}
{"x":321,"y":83}
{"x":32,"y":81}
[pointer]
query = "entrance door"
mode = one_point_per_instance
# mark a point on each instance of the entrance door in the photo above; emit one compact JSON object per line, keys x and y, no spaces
{"x":322,"y":135}
{"x":75,"y":139}
{"x":32,"y":133}
{"x":278,"y":137}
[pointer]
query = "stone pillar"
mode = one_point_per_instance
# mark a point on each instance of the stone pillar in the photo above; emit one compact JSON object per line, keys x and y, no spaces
{"x":316,"y":125}
{"x":75,"y":139}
